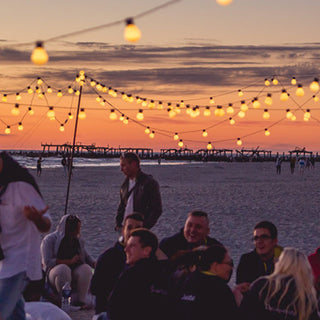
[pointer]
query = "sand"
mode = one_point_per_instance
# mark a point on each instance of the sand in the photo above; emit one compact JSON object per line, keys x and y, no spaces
{"x":235,"y":195}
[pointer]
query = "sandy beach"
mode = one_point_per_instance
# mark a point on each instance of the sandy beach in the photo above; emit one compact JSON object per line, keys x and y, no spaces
{"x":235,"y":195}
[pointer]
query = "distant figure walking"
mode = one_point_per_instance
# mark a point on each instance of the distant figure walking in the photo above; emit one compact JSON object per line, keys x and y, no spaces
{"x":64,"y":164}
{"x":312,"y":160}
{"x":308,"y":163}
{"x":278,"y":165}
{"x":39,"y":169}
{"x":302,"y":165}
{"x":292,"y":164}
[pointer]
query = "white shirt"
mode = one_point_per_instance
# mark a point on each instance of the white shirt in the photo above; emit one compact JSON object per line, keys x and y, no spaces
{"x":19,"y":237}
{"x":129,"y":206}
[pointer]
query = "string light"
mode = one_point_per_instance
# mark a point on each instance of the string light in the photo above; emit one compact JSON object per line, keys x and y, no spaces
{"x":230,"y":109}
{"x":121,"y":118}
{"x":171,"y":113}
{"x":140,"y":115}
{"x":50,"y":113}
{"x":82,"y":115}
{"x":70,"y":116}
{"x":240,"y":93}
{"x":241,"y":114}
{"x":113,"y":115}
{"x":131,"y":31}
{"x":211,"y":100}
{"x":59,"y":94}
{"x":239,"y":142}
{"x":289,"y":114}
{"x":307,"y":115}
{"x":160,"y":105}
{"x":293,"y":81}
{"x":61,"y":127}
{"x":30,"y":111}
{"x":204,"y":133}
{"x":207,"y":112}
{"x":232,"y":121}
{"x":147,"y":130}
{"x":126,"y":120}
{"x":284,"y":95}
{"x":30,"y":91}
{"x":4,"y":97}
{"x":224,"y":2}
{"x":49,"y":89}
{"x":18,"y":96}
{"x":39,"y":55}
{"x":151,"y":135}
{"x":180,"y":143}
{"x":299,"y":91}
{"x":176,"y":137}
{"x":268,"y":100}
{"x":41,"y":95}
{"x":293,"y":118}
{"x":7,"y":130}
{"x":266,"y":132}
{"x":315,"y":98}
{"x":266,"y":114}
{"x":244,"y":106}
{"x":256,"y":103}
{"x":151,"y":104}
{"x":15,"y":110}
{"x":70,"y":90}
{"x":144,"y":102}
{"x":20,"y":126}
{"x":209,"y":146}
{"x":266,"y":82}
{"x":39,"y":81}
{"x":274,"y":81}
{"x":314,"y":86}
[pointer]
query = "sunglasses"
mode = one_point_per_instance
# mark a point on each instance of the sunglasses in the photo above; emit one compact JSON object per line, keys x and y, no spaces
{"x":263,"y":237}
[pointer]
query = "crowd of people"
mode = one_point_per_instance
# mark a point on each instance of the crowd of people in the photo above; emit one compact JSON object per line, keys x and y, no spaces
{"x":184,"y":276}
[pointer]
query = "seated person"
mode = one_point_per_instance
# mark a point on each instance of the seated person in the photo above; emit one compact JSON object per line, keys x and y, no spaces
{"x":314,"y":260}
{"x":205,"y":293}
{"x":261,"y":260}
{"x":111,"y":263}
{"x":194,"y":234}
{"x":65,"y":259}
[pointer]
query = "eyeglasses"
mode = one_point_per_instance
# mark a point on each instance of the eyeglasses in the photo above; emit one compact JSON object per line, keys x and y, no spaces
{"x":263,"y":237}
{"x":229,"y":263}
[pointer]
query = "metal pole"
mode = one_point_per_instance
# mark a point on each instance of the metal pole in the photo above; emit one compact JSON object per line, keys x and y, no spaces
{"x":72,"y":151}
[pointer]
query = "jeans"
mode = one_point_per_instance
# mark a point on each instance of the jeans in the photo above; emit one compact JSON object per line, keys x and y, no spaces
{"x":11,"y":299}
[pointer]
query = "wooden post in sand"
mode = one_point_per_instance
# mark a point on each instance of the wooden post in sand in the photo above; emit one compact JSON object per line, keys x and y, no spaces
{"x":72,"y":151}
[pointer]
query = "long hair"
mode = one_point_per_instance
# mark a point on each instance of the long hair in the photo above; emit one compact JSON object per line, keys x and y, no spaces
{"x":13,"y":171}
{"x":292,"y":271}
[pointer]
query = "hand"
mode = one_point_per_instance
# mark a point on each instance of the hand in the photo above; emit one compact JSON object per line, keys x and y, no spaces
{"x":242,"y":287}
{"x":238,"y":296}
{"x":33,"y":214}
{"x":76,"y":259}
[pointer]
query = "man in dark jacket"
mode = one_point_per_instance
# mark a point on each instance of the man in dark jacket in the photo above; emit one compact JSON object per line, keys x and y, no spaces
{"x":194,"y":234}
{"x":111,"y":263}
{"x":261,"y":260}
{"x":139,"y":193}
{"x":142,"y":290}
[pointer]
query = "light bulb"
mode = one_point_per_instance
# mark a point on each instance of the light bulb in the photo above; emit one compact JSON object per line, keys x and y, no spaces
{"x":284,"y":95}
{"x":207,"y":112}
{"x":314,"y":86}
{"x":18,"y":97}
{"x":204,"y":133}
{"x":241,"y":114}
{"x":180,"y":143}
{"x":315,"y":98}
{"x":293,"y":81}
{"x":61,"y":127}
{"x":176,"y":137}
{"x":121,"y":118}
{"x":299,"y":91}
{"x":5,"y":98}
{"x":15,"y":110}
{"x":30,"y":111}
{"x":49,"y":89}
{"x":239,"y":142}
{"x":243,"y":106}
{"x":266,"y":82}
{"x":51,"y":113}
{"x":266,"y":114}
{"x":293,"y":118}
{"x":224,"y":2}
{"x":39,"y":81}
{"x":256,"y":103}
{"x":275,"y":81}
{"x":30,"y":90}
{"x":59,"y":94}
{"x":151,"y":104}
{"x":171,"y":113}
{"x":240,"y":93}
{"x":139,"y":115}
{"x":39,"y":55}
{"x":7,"y":130}
{"x":151,"y":135}
{"x":82,"y":115}
{"x":70,"y":90}
{"x":307,"y":114}
{"x":266,"y":132}
{"x":211,"y":100}
{"x":268,"y":100}
{"x":160,"y":105}
{"x":230,"y":109}
{"x":209,"y":146}
{"x":70,"y":116}
{"x":232,"y":121}
{"x":219,"y":111}
{"x":126,"y":121}
{"x":131,"y":31}
{"x":113,"y":115}
{"x":147,"y":130}
{"x":20,"y":126}
{"x":289,"y":114}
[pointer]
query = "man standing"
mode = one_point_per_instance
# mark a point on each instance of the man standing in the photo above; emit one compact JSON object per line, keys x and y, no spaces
{"x":261,"y":260}
{"x":194,"y":234}
{"x":111,"y":263}
{"x":139,"y":193}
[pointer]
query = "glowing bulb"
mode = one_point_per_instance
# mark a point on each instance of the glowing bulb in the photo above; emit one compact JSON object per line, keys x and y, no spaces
{"x":204,"y":133}
{"x":209,"y":146}
{"x":39,"y":55}
{"x":256,"y":104}
{"x":70,"y":90}
{"x":299,"y":91}
{"x":266,"y":82}
{"x":30,"y":90}
{"x":41,"y":95}
{"x":82,"y":115}
{"x":240,"y":93}
{"x":171,"y":113}
{"x":243,"y":106}
{"x":289,"y":114}
{"x":239,"y":142}
{"x":113,"y":115}
{"x":121,"y":118}
{"x":219,"y":111}
{"x":49,"y":89}
{"x":293,"y":118}
{"x":230,"y":109}
{"x":59,"y":94}
{"x":4,"y":98}
{"x":92,"y":83}
{"x":15,"y":110}
{"x":70,"y":116}
{"x":232,"y":121}
{"x":51,"y":113}
{"x":275,"y":81}
{"x":180,"y":143}
{"x":151,"y":104}
{"x":266,"y":114}
{"x":61,"y":127}
{"x":7,"y":130}
{"x":266,"y":132}
{"x":224,"y":2}
{"x":241,"y":114}
{"x":18,"y":96}
{"x":99,"y":87}
{"x":160,"y":105}
{"x":284,"y":95}
{"x":20,"y":126}
{"x":307,"y":114}
{"x":151,"y":135}
{"x":293,"y":81}
{"x":315,"y":98}
{"x":314,"y":86}
{"x":207,"y":112}
{"x":126,"y":121}
{"x":268,"y":100}
{"x":130,"y":98}
{"x":139,"y":115}
{"x":30,"y":111}
{"x":131,"y":31}
{"x":124,"y":96}
{"x":147,"y":131}
{"x":306,"y":119}
{"x":176,"y":137}
{"x":211,"y":100}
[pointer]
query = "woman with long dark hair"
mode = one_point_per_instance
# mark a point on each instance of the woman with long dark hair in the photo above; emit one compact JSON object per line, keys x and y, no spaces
{"x":22,"y":217}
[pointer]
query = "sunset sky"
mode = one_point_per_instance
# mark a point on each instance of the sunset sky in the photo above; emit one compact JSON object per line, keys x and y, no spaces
{"x":189,"y":50}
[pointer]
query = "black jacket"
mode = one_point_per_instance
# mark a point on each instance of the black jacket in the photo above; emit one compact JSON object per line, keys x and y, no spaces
{"x":178,"y":242}
{"x":251,"y":267}
{"x":109,"y":266}
{"x":205,"y":297}
{"x":146,"y":200}
{"x":142,"y":292}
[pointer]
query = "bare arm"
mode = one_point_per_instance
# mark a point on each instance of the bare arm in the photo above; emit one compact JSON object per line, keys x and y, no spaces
{"x":42,"y":223}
